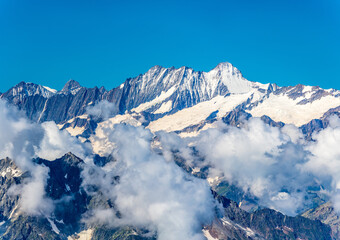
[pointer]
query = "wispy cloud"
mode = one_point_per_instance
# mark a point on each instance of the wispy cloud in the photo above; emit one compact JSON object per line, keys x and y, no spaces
{"x":22,"y":140}
{"x":151,"y":192}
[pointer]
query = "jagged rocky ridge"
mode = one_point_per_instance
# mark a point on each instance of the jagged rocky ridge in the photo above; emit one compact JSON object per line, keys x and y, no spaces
{"x":263,"y":224}
{"x":65,"y":188}
{"x":70,"y":198}
{"x":167,"y":99}
{"x":184,"y":87}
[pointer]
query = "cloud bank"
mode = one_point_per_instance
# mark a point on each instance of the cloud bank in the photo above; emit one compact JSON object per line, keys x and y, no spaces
{"x":262,"y":160}
{"x":277,"y":166}
{"x":324,"y":162}
{"x":148,"y":190}
{"x":151,"y":192}
{"x":22,"y":140}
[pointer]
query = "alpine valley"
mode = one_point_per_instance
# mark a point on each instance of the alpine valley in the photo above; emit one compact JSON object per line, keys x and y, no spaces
{"x":170,"y":154}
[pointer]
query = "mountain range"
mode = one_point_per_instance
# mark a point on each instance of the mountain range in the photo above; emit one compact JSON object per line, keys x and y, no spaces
{"x":179,"y":101}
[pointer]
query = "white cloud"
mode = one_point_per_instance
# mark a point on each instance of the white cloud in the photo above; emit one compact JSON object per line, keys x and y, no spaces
{"x":102,"y":110}
{"x":18,"y":140}
{"x":324,"y":161}
{"x":33,"y":200}
{"x":22,"y":140}
{"x":260,"y":159}
{"x":56,"y":143}
{"x":152,"y":193}
{"x":274,"y":165}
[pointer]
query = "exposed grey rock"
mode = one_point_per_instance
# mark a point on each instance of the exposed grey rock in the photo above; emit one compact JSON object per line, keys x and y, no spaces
{"x":326,"y":214}
{"x":264,"y":224}
{"x":236,"y":118}
{"x":181,"y":88}
{"x":72,"y":87}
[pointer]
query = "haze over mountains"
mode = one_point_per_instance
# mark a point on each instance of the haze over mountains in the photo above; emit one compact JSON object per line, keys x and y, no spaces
{"x":227,"y":157}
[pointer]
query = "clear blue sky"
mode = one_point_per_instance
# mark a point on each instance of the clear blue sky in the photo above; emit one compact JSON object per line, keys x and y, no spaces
{"x":102,"y":42}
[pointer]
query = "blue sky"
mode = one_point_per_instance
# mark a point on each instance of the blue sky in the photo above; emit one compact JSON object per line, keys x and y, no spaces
{"x":102,"y":42}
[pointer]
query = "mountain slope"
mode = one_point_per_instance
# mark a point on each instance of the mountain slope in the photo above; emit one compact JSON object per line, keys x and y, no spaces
{"x":162,"y":89}
{"x":263,"y":224}
{"x":72,"y":201}
{"x":173,"y":99}
{"x":326,"y":214}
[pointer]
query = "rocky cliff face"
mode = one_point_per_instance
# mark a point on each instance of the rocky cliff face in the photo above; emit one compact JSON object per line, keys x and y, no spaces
{"x":175,"y":89}
{"x":326,"y":214}
{"x":166,"y":96}
{"x":65,"y":188}
{"x":263,"y":224}
{"x":70,"y":199}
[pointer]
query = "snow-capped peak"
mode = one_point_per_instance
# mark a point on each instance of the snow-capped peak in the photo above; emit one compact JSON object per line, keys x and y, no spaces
{"x":72,"y":87}
{"x":24,"y":89}
{"x":232,"y":78}
{"x":162,"y":90}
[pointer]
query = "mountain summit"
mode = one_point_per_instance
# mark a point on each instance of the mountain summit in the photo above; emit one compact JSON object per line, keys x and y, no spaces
{"x":175,"y":99}
{"x":171,"y":89}
{"x":72,"y":87}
